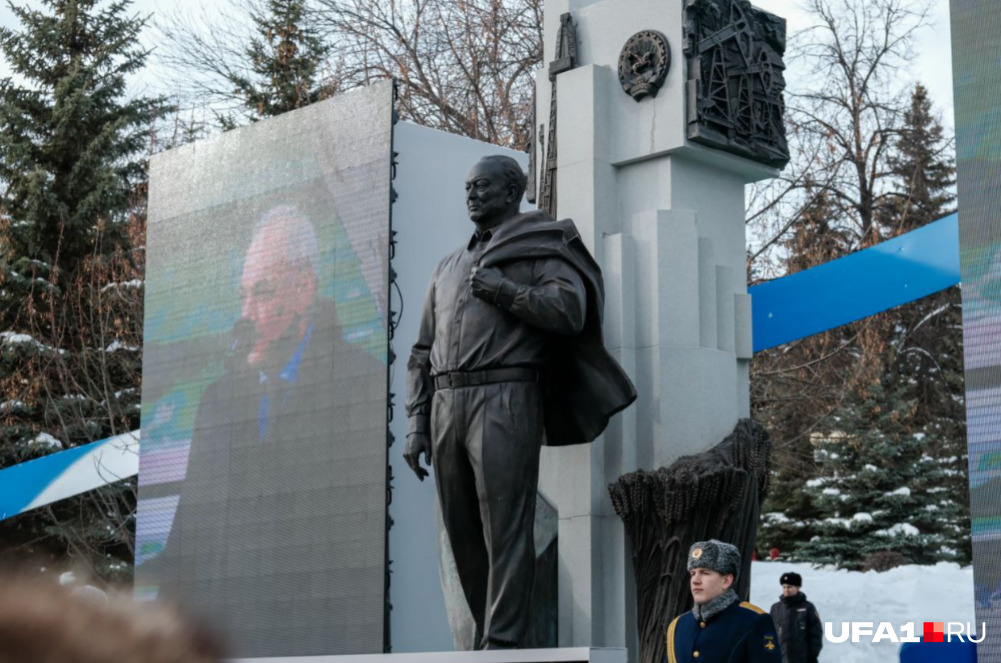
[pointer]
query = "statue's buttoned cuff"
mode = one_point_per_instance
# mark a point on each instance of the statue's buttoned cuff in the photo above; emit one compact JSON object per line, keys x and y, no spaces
{"x":506,"y":293}
{"x":418,"y":423}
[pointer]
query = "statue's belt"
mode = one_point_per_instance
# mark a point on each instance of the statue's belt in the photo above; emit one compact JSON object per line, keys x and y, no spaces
{"x":457,"y":379}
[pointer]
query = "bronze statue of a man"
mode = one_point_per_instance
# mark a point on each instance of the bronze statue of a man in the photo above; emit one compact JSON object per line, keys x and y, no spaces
{"x":509,"y":356}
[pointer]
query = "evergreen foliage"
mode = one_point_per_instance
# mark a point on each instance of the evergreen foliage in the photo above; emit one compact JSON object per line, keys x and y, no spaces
{"x":284,"y":60}
{"x":923,"y":167}
{"x":878,"y":489}
{"x":882,"y":463}
{"x":72,"y":231}
{"x":69,"y":134}
{"x":926,"y":359}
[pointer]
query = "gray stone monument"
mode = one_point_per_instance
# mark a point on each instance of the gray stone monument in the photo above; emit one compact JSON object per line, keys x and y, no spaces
{"x":663,"y":112}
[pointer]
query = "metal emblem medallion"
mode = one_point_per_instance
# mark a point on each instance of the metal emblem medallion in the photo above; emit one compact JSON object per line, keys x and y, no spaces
{"x":644,"y":63}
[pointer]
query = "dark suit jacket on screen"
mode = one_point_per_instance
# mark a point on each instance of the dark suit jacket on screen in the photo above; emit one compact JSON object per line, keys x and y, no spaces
{"x":277,"y":536}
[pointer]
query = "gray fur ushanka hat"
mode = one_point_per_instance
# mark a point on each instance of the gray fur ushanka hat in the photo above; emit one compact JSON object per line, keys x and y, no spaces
{"x":714,"y":555}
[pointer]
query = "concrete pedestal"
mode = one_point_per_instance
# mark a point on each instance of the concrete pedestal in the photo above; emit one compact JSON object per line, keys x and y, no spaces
{"x":664,"y":217}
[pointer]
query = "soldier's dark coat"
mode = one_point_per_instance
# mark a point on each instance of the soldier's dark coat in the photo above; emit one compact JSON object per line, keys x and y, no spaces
{"x":801,"y":634}
{"x":741,"y":633}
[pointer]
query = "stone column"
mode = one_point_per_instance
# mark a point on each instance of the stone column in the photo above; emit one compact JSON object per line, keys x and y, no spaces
{"x":664,"y":216}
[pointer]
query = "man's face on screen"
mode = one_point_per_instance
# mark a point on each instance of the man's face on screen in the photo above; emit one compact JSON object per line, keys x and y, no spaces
{"x":275,"y":293}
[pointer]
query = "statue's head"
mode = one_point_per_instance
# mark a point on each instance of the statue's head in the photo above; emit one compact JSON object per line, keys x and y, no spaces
{"x":494,"y":189}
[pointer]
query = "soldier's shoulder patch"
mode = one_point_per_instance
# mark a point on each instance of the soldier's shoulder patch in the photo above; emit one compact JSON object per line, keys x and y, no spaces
{"x":770,"y":643}
{"x":752,"y":607}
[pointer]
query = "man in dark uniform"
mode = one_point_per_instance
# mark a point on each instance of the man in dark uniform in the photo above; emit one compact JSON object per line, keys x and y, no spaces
{"x":719,"y":628}
{"x":509,"y":354}
{"x":801,"y":633}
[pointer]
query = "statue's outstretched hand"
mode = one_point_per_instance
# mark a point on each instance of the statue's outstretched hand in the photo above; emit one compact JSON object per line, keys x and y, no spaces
{"x":417,"y":444}
{"x":486,"y":282}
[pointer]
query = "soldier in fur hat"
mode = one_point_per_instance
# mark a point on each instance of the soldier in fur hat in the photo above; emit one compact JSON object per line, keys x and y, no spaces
{"x":801,"y":634}
{"x":720,"y":628}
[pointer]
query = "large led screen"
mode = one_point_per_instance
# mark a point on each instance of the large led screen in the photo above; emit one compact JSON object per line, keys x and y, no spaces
{"x":976,"y":25}
{"x":262,"y":499}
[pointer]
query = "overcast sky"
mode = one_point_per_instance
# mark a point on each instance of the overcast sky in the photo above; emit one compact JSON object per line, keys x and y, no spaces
{"x":933,"y":66}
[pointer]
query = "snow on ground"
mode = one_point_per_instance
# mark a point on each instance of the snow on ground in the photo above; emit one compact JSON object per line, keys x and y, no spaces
{"x":941,"y":593}
{"x":46,"y":440}
{"x":134,"y":283}
{"x":115,"y":346}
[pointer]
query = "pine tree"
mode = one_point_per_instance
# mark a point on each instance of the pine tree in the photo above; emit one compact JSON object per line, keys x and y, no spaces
{"x":69,"y":134}
{"x":796,"y":385}
{"x":923,"y":167}
{"x":927,"y":342}
{"x":71,"y":263}
{"x":912,"y":358}
{"x":816,"y":239}
{"x":285,"y":61}
{"x":786,"y":511}
{"x":877,"y":488}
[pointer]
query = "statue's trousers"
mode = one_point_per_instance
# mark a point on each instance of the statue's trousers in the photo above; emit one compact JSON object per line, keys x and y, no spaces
{"x":486,"y":463}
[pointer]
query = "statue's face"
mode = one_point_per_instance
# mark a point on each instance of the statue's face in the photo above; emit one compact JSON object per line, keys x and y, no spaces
{"x":488,"y":197}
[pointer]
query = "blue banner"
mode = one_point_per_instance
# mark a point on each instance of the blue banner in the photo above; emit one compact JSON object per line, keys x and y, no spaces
{"x":57,"y":476}
{"x":900,"y":270}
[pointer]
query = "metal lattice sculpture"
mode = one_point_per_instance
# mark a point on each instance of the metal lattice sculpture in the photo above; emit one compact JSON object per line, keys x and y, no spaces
{"x":713,"y":495}
{"x":736,"y":82}
{"x":566,"y":59}
{"x":531,"y":185}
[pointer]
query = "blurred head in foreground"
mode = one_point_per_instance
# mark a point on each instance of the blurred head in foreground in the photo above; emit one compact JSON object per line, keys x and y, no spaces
{"x":41,"y":622}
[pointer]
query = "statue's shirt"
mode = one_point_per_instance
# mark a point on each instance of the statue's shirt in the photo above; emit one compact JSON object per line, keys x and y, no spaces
{"x":539,"y":300}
